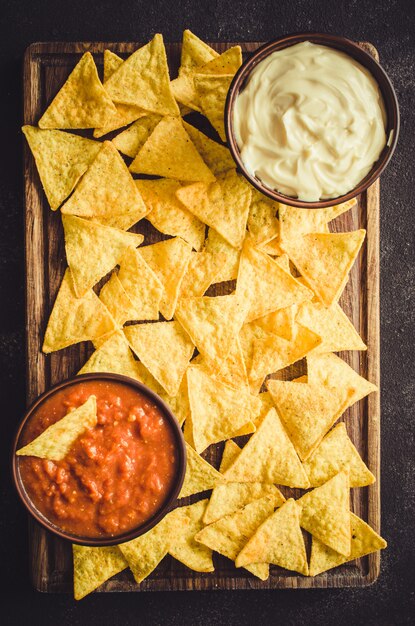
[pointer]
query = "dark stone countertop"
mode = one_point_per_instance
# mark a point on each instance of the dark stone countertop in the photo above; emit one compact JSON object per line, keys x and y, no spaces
{"x":390,"y":25}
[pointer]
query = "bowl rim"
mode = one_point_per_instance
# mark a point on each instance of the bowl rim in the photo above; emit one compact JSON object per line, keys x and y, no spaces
{"x":125,"y":536}
{"x":353,"y":50}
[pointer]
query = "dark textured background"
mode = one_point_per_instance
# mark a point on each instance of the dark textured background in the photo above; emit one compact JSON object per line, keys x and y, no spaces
{"x":390,"y":25}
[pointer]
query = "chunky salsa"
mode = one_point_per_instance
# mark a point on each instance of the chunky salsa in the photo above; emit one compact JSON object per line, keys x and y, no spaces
{"x":116,"y":475}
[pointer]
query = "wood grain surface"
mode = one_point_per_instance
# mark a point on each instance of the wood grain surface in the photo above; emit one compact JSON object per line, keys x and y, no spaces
{"x":46,"y":66}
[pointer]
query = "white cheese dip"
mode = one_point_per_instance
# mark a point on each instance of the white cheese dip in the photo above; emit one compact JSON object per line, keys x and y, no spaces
{"x":310,"y":122}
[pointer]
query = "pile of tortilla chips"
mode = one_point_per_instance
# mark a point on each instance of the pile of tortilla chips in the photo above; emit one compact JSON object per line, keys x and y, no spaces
{"x":217,"y":360}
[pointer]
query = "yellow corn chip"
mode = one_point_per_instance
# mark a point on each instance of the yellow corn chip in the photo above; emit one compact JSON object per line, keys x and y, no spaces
{"x":212,"y":90}
{"x":82,"y":102}
{"x":201,"y":273}
{"x":229,"y":535}
{"x":185,"y":522}
{"x":144,"y":553}
{"x":278,"y":540}
{"x":265,"y":404}
{"x":200,"y":475}
{"x":168,"y":260}
{"x":111,"y":63}
{"x":143,"y":80}
{"x":296,"y":222}
{"x":179,"y":404}
{"x":75,"y":319}
{"x":215,"y":244}
{"x":142,"y":285}
{"x":265,"y":284}
{"x":307,"y":411}
{"x":93,"y":566}
{"x":55,"y":442}
{"x":114,"y":355}
{"x":133,"y":138}
{"x":61,"y":159}
{"x":325,"y":260}
{"x":334,"y":453}
{"x":195,"y":52}
{"x":231,"y":371}
{"x":169,"y":152}
{"x":218,"y":411}
{"x":280,"y":322}
{"x":230,"y":452}
{"x":364,"y":540}
{"x":269,"y":457}
{"x":106,"y":190}
{"x":262,"y":219}
{"x":167,"y":213}
{"x":92,"y":250}
{"x":117,"y":301}
{"x":165,"y":349}
{"x":218,"y":158}
{"x":324,"y":512}
{"x":272,"y":247}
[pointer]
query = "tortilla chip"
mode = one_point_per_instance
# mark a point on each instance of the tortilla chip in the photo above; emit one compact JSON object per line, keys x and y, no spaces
{"x":218,"y":411}
{"x":232,"y":370}
{"x":332,"y":324}
{"x":185,"y":522}
{"x":334,"y":373}
{"x":179,"y":404}
{"x":265,"y":404}
{"x":61,"y":159}
{"x":222,"y":205}
{"x":133,"y":138}
{"x":112,"y":62}
{"x":212,"y":90}
{"x":141,"y":284}
{"x":167,"y":214}
{"x":262,"y":223}
{"x":272,"y":247}
{"x":296,"y":222}
{"x":308,"y":411}
{"x":217,"y":157}
{"x":169,"y":152}
{"x":364,"y":540}
{"x":336,"y":452}
{"x":229,"y":535}
{"x":278,"y":540}
{"x":75,"y":319}
{"x":106,"y":190}
{"x":216,"y":244}
{"x":114,"y":355}
{"x":117,"y":301}
{"x":168,"y":260}
{"x":325,"y":260}
{"x":55,"y":442}
{"x":325,"y":513}
{"x":200,"y":475}
{"x":280,"y":322}
{"x":93,"y":250}
{"x":82,"y":102}
{"x":269,"y":457}
{"x":212,"y":323}
{"x":93,"y":566}
{"x":195,"y":52}
{"x":201,"y":273}
{"x":143,"y":80}
{"x":164,"y":348}
{"x":144,"y":553}
{"x":230,"y":452}
{"x":265,"y":284}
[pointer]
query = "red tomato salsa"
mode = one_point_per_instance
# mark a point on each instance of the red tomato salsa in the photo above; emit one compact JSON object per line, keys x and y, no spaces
{"x":116,"y":475}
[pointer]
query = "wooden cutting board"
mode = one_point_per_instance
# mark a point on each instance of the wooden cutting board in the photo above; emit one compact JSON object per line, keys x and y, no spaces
{"x":46,"y":66}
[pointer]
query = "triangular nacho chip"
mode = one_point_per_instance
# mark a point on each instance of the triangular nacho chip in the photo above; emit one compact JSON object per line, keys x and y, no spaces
{"x":144,"y":553}
{"x":230,"y":452}
{"x":229,"y":534}
{"x":117,"y":301}
{"x":272,"y":247}
{"x":307,"y":411}
{"x":168,"y":260}
{"x":169,"y":152}
{"x":164,"y":348}
{"x":61,"y":159}
{"x":217,"y":157}
{"x":325,"y":513}
{"x":216,"y":244}
{"x":112,"y":62}
{"x":195,"y":52}
{"x":106,"y":190}
{"x":364,"y":540}
{"x":335,"y":452}
{"x":269,"y":457}
{"x":212,"y":90}
{"x":75,"y":319}
{"x":296,"y":222}
{"x":167,"y":213}
{"x":325,"y":260}
{"x":133,"y":138}
{"x":218,"y":411}
{"x":82,"y":102}
{"x":55,"y":442}
{"x":93,"y":566}
{"x":92,"y":250}
{"x":262,"y":223}
{"x":142,"y":285}
{"x":201,"y":273}
{"x":185,"y":522}
{"x":143,"y":80}
{"x":200,"y":475}
{"x":280,"y":322}
{"x":278,"y":540}
{"x":114,"y":355}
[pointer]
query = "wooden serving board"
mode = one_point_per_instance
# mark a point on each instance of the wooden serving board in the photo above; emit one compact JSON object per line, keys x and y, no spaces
{"x":46,"y":66}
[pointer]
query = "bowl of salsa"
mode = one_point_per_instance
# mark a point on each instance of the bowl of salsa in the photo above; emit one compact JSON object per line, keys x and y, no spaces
{"x":99,"y":459}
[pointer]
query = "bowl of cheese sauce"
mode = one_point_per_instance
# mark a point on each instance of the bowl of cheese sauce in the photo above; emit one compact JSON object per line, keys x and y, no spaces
{"x":312,"y":120}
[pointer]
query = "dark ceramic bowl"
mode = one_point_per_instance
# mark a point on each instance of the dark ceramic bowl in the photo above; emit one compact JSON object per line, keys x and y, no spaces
{"x":170,"y":500}
{"x":357,"y":53}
